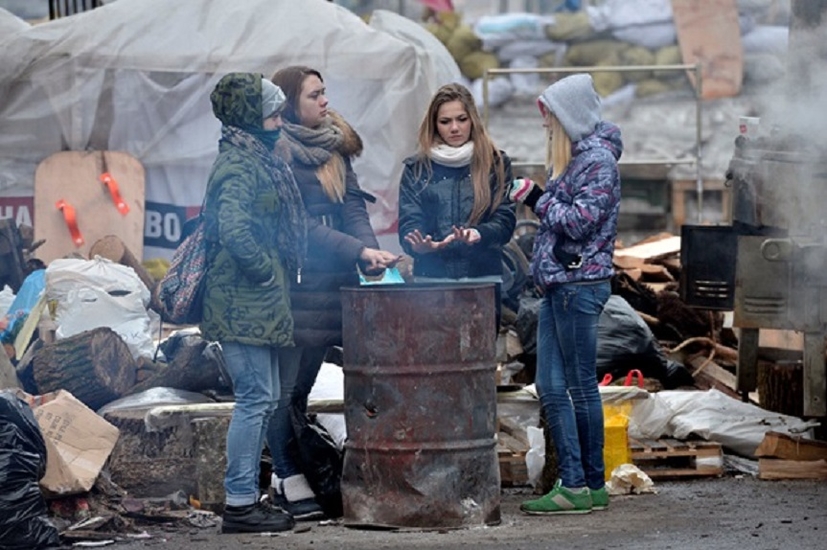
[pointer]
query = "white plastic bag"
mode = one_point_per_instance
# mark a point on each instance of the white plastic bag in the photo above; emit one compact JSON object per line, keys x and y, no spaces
{"x":6,"y":299}
{"x":535,"y":458}
{"x":83,"y":309}
{"x":67,"y":274}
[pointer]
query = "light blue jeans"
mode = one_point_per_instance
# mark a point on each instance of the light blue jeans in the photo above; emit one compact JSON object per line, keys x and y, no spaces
{"x":566,"y":379}
{"x":254,"y":371}
{"x":299,"y":368}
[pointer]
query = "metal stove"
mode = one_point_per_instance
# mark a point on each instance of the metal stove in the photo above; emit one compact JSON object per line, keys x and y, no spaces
{"x":770,"y":265}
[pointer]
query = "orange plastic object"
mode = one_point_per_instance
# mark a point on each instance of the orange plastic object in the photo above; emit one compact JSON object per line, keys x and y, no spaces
{"x":70,"y":217}
{"x":110,"y":183}
{"x":634,"y":373}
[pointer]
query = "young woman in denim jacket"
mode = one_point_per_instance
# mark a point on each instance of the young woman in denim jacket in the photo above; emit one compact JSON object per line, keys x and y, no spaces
{"x":572,"y":264}
{"x":454,"y":212}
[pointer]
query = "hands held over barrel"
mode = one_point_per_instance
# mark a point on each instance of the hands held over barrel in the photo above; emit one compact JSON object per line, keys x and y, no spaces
{"x":426,"y":244}
{"x":374,"y":260}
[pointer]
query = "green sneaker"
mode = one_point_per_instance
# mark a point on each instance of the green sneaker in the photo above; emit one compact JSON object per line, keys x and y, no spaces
{"x":600,"y":499}
{"x":560,"y":501}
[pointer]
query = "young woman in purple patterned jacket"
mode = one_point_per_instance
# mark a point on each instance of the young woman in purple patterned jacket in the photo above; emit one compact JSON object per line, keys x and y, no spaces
{"x":572,"y":264}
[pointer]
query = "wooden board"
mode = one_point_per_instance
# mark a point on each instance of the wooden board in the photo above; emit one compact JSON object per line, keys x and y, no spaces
{"x":74,"y":177}
{"x":651,"y":250}
{"x":670,"y":458}
{"x":777,"y":468}
{"x":709,"y":34}
{"x":787,"y":447}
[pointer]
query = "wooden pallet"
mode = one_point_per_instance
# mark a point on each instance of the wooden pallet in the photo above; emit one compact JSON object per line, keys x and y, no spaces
{"x":512,"y":446}
{"x":670,"y":458}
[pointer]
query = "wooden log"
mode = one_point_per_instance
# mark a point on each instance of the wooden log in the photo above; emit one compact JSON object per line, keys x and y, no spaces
{"x":780,"y":385}
{"x":188,"y":369}
{"x":95,"y":366}
{"x":787,"y":447}
{"x":151,"y":464}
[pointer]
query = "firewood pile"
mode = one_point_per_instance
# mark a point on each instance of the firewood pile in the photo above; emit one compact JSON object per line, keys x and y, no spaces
{"x":648,"y":277}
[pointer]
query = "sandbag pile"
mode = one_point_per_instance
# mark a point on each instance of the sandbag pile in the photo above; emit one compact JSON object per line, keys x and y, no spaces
{"x":615,"y":33}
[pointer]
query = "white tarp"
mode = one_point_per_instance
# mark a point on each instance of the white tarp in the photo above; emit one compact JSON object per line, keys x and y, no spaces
{"x":135,"y":76}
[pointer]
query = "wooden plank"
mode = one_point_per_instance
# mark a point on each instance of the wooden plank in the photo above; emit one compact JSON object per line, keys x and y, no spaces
{"x":709,"y":34}
{"x":513,"y":444}
{"x":708,"y":374}
{"x":74,"y":176}
{"x":657,"y":249}
{"x":628,"y":262}
{"x":785,"y":446}
{"x":514,"y":429}
{"x":654,"y":272}
{"x":776,"y":468}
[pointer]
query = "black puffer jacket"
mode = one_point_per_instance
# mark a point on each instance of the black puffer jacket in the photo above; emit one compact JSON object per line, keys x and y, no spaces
{"x":434,"y":207}
{"x":337,"y":233}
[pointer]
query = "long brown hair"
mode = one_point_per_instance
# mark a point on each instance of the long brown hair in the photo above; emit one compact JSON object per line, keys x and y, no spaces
{"x":291,"y":79}
{"x":486,"y":153}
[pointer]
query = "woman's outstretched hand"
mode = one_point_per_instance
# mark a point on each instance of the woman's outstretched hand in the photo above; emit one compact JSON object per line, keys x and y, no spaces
{"x":426,"y":244}
{"x":466,"y":235}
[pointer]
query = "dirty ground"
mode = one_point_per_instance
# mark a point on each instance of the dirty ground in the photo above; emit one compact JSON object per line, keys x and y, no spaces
{"x":732,"y":512}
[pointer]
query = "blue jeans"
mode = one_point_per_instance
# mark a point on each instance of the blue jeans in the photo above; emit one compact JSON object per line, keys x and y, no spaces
{"x":566,"y":379}
{"x":254,"y":371}
{"x":299,"y":369}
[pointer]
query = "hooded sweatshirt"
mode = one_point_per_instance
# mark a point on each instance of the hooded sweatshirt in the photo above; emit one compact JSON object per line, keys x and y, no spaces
{"x":578,"y":211}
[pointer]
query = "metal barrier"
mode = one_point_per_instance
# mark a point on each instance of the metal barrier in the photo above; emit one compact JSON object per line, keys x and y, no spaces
{"x":62,"y":8}
{"x":697,"y":161}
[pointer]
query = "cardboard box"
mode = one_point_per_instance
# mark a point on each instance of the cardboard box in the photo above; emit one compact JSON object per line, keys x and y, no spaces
{"x":78,"y":442}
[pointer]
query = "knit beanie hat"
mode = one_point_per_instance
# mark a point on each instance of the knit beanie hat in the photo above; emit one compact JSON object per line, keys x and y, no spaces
{"x":272,"y":98}
{"x":575,"y":103}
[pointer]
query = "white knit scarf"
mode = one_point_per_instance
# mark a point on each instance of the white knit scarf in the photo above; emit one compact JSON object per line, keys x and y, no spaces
{"x":454,"y":157}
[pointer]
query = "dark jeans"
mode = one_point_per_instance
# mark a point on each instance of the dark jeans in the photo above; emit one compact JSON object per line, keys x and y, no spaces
{"x":566,"y":379}
{"x":298,"y":369}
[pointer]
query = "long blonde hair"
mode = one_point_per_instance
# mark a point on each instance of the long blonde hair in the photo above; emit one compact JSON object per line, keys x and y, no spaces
{"x":558,"y":151}
{"x":486,"y":155}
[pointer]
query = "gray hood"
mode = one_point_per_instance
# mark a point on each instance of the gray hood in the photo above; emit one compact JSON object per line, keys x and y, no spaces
{"x":575,"y":103}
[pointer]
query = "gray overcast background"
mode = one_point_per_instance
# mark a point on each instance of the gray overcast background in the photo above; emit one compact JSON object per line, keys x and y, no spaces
{"x":27,"y":9}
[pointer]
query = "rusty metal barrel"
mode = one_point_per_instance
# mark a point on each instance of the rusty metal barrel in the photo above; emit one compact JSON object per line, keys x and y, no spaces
{"x":420,"y":406}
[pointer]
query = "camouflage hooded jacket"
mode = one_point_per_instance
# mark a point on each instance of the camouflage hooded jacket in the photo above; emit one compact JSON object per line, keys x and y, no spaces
{"x":243,"y":214}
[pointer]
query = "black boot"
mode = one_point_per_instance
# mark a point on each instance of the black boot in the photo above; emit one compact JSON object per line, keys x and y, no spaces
{"x":255,"y":518}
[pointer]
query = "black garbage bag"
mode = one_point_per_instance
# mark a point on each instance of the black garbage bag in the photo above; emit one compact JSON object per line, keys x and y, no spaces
{"x":625,"y":342}
{"x":24,"y":521}
{"x":319,"y":459}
